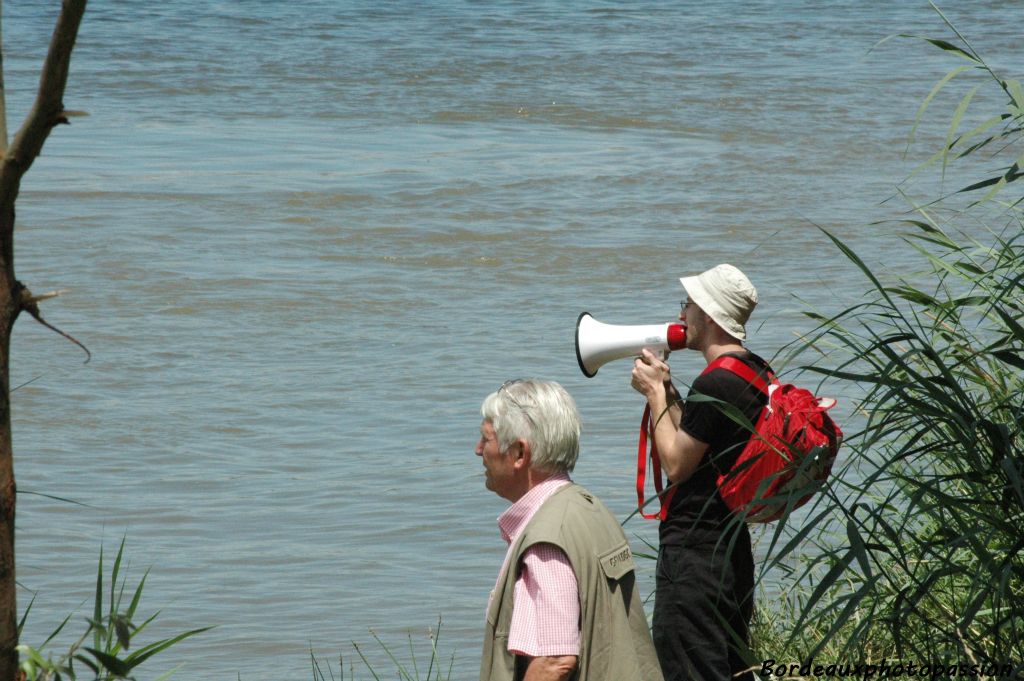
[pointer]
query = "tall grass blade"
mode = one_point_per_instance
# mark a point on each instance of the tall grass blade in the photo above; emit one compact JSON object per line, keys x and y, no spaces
{"x":928,"y":100}
{"x":24,"y":616}
{"x":954,"y":127}
{"x":98,"y":602}
{"x":366,"y":662}
{"x":143,"y":654}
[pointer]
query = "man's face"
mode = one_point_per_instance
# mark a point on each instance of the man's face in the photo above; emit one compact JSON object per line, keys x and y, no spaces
{"x":692,"y":318}
{"x":499,"y":467}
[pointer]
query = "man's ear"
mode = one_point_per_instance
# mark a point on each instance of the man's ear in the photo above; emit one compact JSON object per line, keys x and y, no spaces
{"x":523,"y":454}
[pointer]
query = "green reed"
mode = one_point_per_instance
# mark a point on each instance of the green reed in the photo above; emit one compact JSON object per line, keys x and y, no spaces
{"x":112,"y":630}
{"x":403,"y":667}
{"x":914,"y":552}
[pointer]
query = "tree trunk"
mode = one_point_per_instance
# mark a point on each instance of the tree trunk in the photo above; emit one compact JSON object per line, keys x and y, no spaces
{"x":9,"y":310}
{"x":47,"y":112}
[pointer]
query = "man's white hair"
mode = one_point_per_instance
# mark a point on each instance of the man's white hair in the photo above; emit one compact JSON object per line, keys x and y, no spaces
{"x":543,"y":414}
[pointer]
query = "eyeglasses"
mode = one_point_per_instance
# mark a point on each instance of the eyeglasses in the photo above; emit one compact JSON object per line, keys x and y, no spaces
{"x":515,"y":402}
{"x":683,"y":304}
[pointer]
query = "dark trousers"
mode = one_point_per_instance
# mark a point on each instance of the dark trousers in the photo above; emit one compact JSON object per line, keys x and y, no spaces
{"x":702,"y":609}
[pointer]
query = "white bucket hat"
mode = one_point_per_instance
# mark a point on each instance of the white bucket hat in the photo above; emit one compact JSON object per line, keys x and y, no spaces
{"x":726,"y":295}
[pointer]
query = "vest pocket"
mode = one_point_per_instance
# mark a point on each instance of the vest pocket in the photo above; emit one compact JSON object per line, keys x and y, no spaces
{"x":618,"y":562}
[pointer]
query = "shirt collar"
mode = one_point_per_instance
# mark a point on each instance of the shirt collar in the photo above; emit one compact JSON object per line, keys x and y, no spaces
{"x":515,"y":517}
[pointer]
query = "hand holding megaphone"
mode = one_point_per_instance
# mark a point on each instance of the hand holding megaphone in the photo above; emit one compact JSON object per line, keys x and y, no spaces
{"x":598,"y":343}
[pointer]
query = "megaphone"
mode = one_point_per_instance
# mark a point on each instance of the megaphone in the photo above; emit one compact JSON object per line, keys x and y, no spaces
{"x":598,"y":343}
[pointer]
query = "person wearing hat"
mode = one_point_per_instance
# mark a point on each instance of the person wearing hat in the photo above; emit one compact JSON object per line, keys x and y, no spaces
{"x":705,"y":572}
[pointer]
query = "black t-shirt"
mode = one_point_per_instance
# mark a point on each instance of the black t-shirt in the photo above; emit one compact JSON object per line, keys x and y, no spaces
{"x":697,"y":514}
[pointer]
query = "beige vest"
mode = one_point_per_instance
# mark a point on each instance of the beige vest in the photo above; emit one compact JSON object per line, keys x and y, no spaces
{"x":615,"y":642}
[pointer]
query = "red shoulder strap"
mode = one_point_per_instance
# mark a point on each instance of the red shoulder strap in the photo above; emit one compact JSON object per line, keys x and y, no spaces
{"x":741,"y":369}
{"x":665,"y":497}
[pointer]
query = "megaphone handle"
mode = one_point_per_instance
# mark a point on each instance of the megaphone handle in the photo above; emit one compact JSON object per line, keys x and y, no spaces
{"x":641,"y":471}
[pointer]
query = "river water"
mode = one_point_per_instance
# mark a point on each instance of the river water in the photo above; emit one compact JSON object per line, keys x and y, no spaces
{"x":304,"y":240}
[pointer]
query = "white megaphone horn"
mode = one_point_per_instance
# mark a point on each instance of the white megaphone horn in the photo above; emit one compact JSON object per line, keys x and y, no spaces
{"x":598,"y":343}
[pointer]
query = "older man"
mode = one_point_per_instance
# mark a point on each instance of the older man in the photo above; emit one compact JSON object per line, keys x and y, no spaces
{"x":565,"y":605}
{"x":705,"y":578}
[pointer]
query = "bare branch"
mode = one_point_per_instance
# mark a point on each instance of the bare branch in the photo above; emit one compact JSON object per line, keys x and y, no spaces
{"x":48,"y":109}
{"x":29,"y":303}
{"x":33,"y":299}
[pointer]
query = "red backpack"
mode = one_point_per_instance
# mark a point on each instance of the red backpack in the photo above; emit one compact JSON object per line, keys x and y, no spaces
{"x":793,"y":446}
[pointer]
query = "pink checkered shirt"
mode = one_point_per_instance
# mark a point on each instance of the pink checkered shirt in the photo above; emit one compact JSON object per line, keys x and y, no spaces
{"x":546,"y":609}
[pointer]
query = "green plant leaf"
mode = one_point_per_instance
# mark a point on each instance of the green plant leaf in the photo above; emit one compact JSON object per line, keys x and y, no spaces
{"x":857,"y":547}
{"x":950,"y":47}
{"x":98,"y":601}
{"x":978,"y":130}
{"x":1012,"y":325}
{"x":24,"y":616}
{"x":143,"y":654}
{"x":1013,"y":173}
{"x":137,"y":596}
{"x":114,"y":574}
{"x":111,"y":663}
{"x":931,"y":95}
{"x":93,"y":666}
{"x":954,"y":126}
{"x":1009,"y":356}
{"x":1013,"y":87}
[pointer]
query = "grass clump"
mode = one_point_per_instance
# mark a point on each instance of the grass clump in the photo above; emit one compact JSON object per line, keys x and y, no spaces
{"x":434,"y":668}
{"x":103,"y":652}
{"x":916,"y":548}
